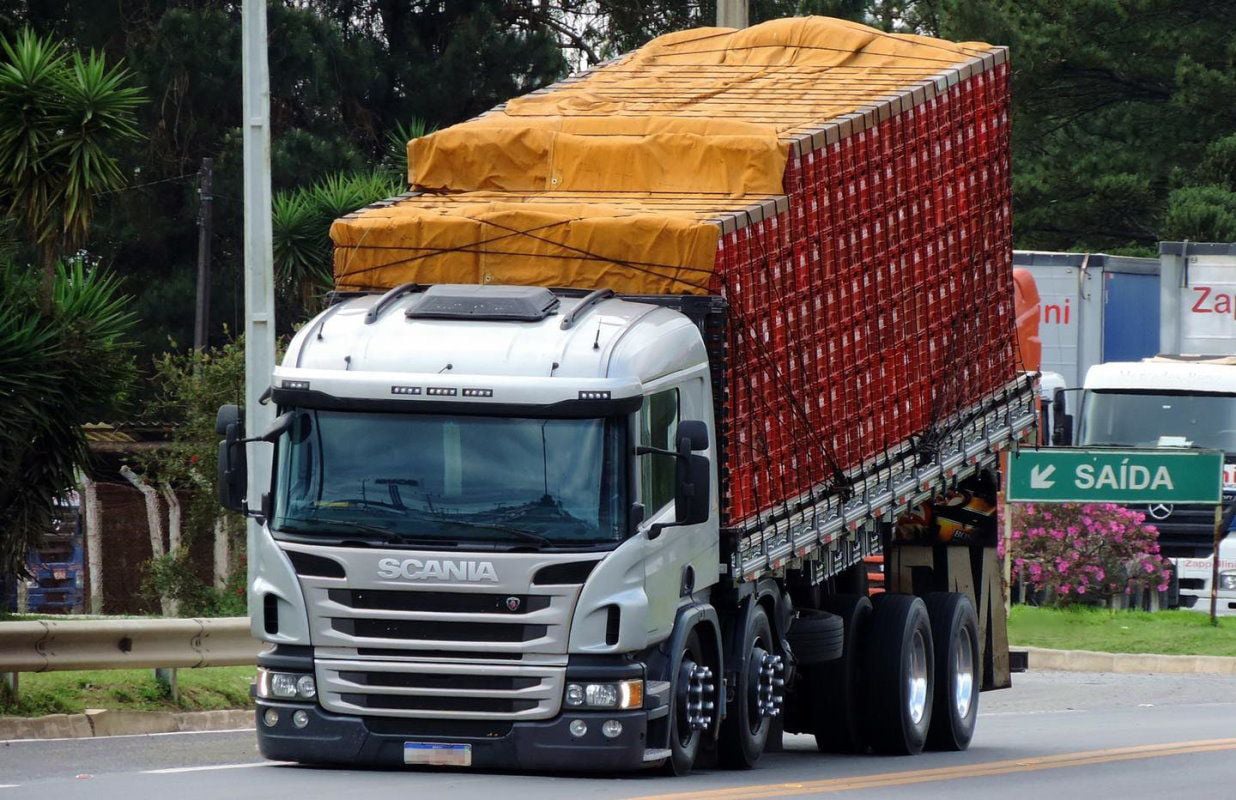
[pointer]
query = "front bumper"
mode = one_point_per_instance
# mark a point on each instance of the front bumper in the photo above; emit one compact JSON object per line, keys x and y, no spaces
{"x":331,"y":738}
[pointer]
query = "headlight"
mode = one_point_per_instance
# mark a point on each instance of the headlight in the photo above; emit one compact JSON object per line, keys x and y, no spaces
{"x":621,"y":694}
{"x":285,"y":685}
{"x":1227,"y":580}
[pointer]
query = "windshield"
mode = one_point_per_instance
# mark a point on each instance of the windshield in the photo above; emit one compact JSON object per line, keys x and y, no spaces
{"x":451,"y":480}
{"x":1143,"y":419}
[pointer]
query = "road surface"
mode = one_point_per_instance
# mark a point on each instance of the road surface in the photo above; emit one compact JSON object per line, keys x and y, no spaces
{"x":1055,"y":735}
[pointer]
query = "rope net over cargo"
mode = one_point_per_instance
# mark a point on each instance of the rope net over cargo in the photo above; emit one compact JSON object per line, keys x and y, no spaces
{"x":845,"y":190}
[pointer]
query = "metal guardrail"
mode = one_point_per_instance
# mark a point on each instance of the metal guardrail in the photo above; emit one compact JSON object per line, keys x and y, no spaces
{"x":48,"y":645}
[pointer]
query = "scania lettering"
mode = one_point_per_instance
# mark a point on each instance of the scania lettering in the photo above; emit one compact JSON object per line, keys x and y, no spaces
{"x":416,"y":570}
{"x":580,"y":466}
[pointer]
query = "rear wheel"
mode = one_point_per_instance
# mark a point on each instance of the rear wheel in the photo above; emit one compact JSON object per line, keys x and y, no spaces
{"x":758,"y":689}
{"x":899,"y":670}
{"x":954,"y":629}
{"x":694,"y":695}
{"x":836,"y":690}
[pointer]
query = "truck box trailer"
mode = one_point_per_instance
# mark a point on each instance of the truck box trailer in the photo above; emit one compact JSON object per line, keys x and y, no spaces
{"x":580,"y":468}
{"x":1094,"y":308}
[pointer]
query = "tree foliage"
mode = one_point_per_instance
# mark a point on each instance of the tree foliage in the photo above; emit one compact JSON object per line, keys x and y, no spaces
{"x":190,"y":387}
{"x":61,"y":116}
{"x":300,"y":222}
{"x":59,"y":369}
{"x":1116,"y":105}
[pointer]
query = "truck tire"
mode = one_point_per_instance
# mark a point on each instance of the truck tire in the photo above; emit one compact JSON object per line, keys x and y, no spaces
{"x":816,"y":637}
{"x":954,"y":629}
{"x":836,"y":687}
{"x":899,"y":669}
{"x":744,"y":731}
{"x":690,"y":699}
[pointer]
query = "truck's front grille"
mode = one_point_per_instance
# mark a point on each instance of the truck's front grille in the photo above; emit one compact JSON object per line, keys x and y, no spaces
{"x":423,"y":630}
{"x":479,"y":705}
{"x":394,"y":652}
{"x":500,"y":683}
{"x":439,"y":690}
{"x":443,"y":602}
{"x":1185,"y":531}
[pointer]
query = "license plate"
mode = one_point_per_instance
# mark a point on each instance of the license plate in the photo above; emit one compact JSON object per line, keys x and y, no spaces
{"x":443,"y":755}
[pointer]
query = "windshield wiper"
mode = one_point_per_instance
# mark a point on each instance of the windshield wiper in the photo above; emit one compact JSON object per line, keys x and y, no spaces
{"x":531,"y":536}
{"x":382,"y":534}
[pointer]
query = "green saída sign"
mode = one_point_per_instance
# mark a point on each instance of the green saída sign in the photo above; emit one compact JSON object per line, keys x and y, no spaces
{"x":1077,"y":475}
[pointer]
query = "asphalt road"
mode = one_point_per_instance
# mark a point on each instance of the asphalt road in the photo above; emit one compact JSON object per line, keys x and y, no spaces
{"x":1055,"y":735}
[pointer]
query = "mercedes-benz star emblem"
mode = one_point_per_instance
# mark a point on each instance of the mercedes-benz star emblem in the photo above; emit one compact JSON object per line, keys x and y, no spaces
{"x":512,"y":604}
{"x":1160,"y":510}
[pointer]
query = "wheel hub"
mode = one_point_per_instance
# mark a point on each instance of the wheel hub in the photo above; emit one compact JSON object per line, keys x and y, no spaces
{"x":916,"y":679}
{"x":699,"y":692}
{"x":770,"y":680}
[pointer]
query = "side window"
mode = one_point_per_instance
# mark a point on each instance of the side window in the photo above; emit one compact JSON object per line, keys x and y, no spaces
{"x":658,"y":422}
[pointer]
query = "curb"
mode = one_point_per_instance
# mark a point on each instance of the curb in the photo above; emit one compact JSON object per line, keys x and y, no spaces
{"x":104,"y":722}
{"x":1091,"y":661}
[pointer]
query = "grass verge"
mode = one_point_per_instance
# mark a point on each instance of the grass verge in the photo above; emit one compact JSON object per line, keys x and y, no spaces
{"x":1083,"y":628}
{"x":205,"y":689}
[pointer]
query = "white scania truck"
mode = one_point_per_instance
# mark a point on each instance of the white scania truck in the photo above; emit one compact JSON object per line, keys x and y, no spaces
{"x":476,"y":551}
{"x":622,"y":524}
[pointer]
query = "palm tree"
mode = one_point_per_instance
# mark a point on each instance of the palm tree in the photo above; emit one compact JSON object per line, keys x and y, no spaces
{"x":300,"y":227}
{"x":59,"y":368}
{"x":61,"y":116}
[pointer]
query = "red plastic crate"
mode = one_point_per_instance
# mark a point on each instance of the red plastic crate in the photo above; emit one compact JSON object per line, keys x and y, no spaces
{"x":878,"y":304}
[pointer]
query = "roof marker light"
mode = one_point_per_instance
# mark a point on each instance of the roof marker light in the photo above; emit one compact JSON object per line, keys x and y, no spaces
{"x":478,"y":392}
{"x":296,"y":384}
{"x":593,"y":395}
{"x":442,"y":391}
{"x":405,"y":390}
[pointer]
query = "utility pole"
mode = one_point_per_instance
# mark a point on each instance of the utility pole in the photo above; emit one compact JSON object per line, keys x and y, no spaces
{"x":732,"y":13}
{"x":259,"y":266}
{"x":201,"y":318}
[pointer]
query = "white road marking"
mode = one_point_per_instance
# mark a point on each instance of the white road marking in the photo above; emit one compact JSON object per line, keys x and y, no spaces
{"x":209,"y":767}
{"x":124,"y":736}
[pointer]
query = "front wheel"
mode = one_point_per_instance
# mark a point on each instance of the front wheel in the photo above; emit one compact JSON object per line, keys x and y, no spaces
{"x":899,"y":672}
{"x":694,"y":708}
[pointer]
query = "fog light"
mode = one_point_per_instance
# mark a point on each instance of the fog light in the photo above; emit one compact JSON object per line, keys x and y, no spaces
{"x":271,"y":718}
{"x":307,"y":687}
{"x":300,"y":719}
{"x":612,"y":729}
{"x":578,"y":728}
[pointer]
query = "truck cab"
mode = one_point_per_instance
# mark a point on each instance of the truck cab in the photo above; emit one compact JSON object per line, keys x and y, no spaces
{"x":1167,"y":402}
{"x":450,"y":542}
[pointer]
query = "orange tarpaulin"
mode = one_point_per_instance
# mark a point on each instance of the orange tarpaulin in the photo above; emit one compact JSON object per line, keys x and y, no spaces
{"x":618,"y":178}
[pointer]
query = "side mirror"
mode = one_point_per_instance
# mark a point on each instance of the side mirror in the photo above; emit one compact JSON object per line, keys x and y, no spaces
{"x":1062,"y":428}
{"x":691,"y":497}
{"x":692,"y":477}
{"x":695,"y":433}
{"x":233,"y":478}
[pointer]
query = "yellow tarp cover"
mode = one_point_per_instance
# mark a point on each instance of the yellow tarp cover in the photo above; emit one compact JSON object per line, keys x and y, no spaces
{"x":615,"y":179}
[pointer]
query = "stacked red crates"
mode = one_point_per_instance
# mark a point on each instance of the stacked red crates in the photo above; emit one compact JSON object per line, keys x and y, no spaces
{"x":877,"y":305}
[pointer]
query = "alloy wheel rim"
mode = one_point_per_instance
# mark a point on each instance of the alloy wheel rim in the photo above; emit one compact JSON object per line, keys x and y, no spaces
{"x":963,"y":661}
{"x":916,"y":679}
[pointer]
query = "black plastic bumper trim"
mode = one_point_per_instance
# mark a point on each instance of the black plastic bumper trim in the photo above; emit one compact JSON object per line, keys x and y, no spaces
{"x":542,"y":745}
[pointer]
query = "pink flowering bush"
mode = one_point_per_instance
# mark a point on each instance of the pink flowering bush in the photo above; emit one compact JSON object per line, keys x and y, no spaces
{"x":1090,"y":552}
